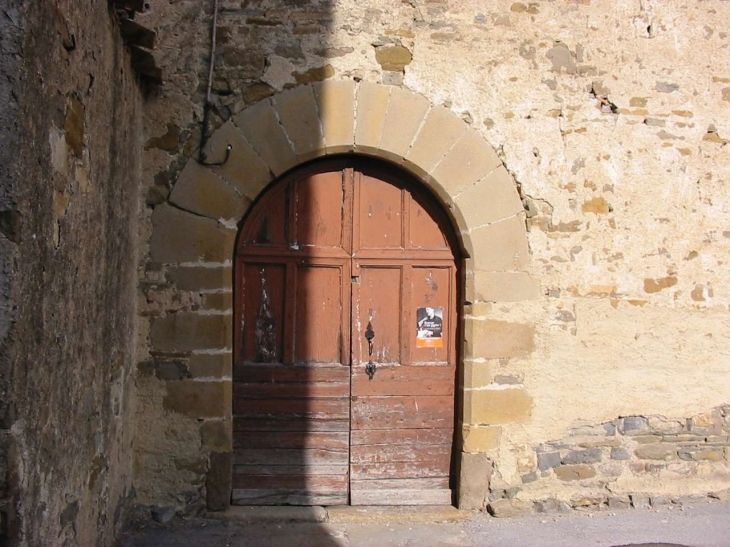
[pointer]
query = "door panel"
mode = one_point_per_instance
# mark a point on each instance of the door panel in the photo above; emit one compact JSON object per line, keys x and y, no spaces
{"x":380,"y":218}
{"x":324,"y":258}
{"x":319,"y":310}
{"x":291,"y":382}
{"x":400,"y":400}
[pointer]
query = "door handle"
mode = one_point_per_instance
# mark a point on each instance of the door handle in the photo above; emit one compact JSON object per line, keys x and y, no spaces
{"x":371,"y":366}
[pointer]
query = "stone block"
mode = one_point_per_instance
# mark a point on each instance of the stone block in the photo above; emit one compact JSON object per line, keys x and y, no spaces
{"x":574,"y":472}
{"x":501,"y":246}
{"x":216,"y":436}
{"x":600,"y":430}
{"x":662,"y":426}
{"x":480,"y":439}
{"x":186,"y":331}
{"x":297,"y":111}
{"x":199,"y":400}
{"x":179,"y":236}
{"x":510,"y":508}
{"x":659,"y":501}
{"x":220,"y":301}
{"x":218,"y":481}
{"x":658,"y":451}
{"x":474,"y":472}
{"x":336,"y":104}
{"x":702,"y":453}
{"x":587,"y":501}
{"x":372,"y":108}
{"x":492,"y":339}
{"x":440,"y":131}
{"x":200,"y":278}
{"x":551,"y":505}
{"x":610,"y":442}
{"x":592,"y":455}
{"x":619,"y":502}
{"x":210,"y":365}
{"x":634,"y":425}
{"x":640,"y":501}
{"x":393,"y":57}
{"x":492,"y":198}
{"x":709,"y":423}
{"x":496,"y":406}
{"x":620,"y":453}
{"x":548,"y":460}
{"x":201,"y":191}
{"x":405,"y":114}
{"x":467,"y":164}
{"x":477,"y":374}
{"x":502,"y":287}
{"x":245,"y":169}
{"x":261,"y":128}
{"x":529,"y":477}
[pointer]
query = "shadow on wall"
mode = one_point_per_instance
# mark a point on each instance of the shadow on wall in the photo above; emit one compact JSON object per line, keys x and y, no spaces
{"x":290,"y":373}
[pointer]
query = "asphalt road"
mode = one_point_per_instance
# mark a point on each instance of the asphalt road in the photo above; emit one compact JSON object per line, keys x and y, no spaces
{"x":702,"y":525}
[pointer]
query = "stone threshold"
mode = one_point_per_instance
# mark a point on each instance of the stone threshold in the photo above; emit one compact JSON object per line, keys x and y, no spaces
{"x":342,"y":514}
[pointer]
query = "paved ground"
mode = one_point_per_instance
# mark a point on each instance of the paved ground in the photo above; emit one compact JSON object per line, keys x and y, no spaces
{"x":702,"y":525}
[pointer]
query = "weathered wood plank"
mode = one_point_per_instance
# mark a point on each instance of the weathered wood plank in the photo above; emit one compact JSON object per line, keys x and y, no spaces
{"x":400,"y":497}
{"x":414,"y":437}
{"x":406,"y":412}
{"x":286,"y":391}
{"x":404,"y":380}
{"x":136,"y":34}
{"x":435,"y":483}
{"x":301,"y":483}
{"x":277,"y":373}
{"x":290,"y":469}
{"x":322,"y":409}
{"x":281,"y":497}
{"x":400,"y":470}
{"x":282,"y":456}
{"x":291,"y":439}
{"x":401,"y":453}
{"x":289,"y":424}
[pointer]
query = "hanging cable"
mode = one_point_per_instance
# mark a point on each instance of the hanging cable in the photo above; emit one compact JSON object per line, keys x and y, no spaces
{"x":208,"y":106}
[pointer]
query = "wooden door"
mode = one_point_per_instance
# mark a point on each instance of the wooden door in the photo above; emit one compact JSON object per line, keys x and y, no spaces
{"x":326,"y":254}
{"x":402,"y":414}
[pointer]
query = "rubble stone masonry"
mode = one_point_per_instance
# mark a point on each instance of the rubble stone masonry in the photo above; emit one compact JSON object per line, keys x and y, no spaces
{"x":70,"y":164}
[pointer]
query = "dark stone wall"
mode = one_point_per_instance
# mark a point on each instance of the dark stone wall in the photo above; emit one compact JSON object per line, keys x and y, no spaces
{"x":10,"y":45}
{"x":69,"y":186}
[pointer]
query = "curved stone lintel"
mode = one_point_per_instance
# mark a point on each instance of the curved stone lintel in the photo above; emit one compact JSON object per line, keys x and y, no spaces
{"x":392,"y":123}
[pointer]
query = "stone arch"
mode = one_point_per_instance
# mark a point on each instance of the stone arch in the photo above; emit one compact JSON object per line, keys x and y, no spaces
{"x":193,"y":235}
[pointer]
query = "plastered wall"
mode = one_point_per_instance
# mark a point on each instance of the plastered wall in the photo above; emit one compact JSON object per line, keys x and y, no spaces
{"x":612,"y":122}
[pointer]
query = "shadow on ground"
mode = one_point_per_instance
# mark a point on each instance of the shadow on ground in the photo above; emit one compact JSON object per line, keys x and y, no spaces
{"x":220,"y":533}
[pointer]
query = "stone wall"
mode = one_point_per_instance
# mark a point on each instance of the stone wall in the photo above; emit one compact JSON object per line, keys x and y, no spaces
{"x":70,"y":126}
{"x":10,"y":44}
{"x":635,"y":461}
{"x":612,"y":124}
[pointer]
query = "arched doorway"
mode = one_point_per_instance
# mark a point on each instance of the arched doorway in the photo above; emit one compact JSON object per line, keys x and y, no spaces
{"x":346,"y":320}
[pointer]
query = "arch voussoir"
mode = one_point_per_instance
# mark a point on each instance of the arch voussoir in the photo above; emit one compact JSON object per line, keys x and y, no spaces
{"x":260,"y":125}
{"x":336,"y":107}
{"x":492,"y":198}
{"x":402,"y":121}
{"x":201,"y":191}
{"x":243,"y":169}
